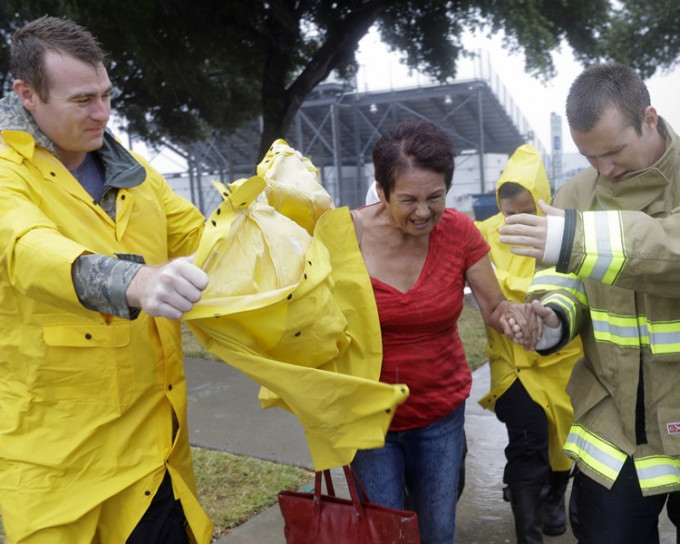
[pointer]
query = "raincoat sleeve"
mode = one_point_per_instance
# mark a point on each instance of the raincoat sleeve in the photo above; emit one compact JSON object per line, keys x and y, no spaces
{"x":36,"y":255}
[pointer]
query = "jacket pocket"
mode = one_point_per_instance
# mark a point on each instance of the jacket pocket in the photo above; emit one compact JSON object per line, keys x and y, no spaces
{"x":87,"y":362}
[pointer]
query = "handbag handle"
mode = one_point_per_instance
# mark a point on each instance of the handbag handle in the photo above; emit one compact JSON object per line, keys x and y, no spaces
{"x":352,"y":481}
{"x":329,"y":484}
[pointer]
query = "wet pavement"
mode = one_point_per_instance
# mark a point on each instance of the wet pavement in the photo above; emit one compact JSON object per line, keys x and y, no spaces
{"x":224,"y":414}
{"x":483,"y":517}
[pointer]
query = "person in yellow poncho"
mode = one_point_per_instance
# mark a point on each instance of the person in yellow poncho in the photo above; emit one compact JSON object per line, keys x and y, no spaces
{"x":528,"y":390}
{"x":93,"y":433}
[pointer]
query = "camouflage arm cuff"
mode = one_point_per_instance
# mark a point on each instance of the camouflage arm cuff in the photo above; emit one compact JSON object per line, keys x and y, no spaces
{"x":101,"y":283}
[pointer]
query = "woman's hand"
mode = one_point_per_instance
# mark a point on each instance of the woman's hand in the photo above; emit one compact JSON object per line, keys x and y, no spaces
{"x":522,"y":324}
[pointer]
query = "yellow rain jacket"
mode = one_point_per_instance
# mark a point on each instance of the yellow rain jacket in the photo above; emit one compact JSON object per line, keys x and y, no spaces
{"x":87,"y":400}
{"x":296,"y":312}
{"x":544,"y":377}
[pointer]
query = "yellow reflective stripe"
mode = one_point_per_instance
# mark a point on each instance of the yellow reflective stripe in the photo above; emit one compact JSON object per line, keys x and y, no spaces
{"x":658,"y":471}
{"x":620,"y":330}
{"x":567,"y":306}
{"x":604,"y":249}
{"x":661,"y":337}
{"x":549,"y":280}
{"x":598,"y":454}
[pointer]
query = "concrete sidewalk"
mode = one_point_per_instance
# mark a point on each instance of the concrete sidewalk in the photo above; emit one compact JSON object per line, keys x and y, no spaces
{"x":224,"y":414}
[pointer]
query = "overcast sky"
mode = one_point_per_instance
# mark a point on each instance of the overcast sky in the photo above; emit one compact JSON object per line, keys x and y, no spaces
{"x":381,"y":70}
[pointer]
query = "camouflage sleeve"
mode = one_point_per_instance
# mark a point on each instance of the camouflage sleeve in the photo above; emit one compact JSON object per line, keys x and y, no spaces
{"x":101,"y":282}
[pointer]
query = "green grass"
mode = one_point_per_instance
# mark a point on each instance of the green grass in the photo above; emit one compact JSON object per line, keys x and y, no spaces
{"x":192,"y":348}
{"x":232,"y":489}
{"x":473,"y":335}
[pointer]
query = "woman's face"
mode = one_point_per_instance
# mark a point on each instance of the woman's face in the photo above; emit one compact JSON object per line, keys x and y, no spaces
{"x":417,"y":201}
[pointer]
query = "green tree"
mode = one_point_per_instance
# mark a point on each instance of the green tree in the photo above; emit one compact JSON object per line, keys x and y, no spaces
{"x":187,"y":68}
{"x":10,"y":20}
{"x":643,"y":34}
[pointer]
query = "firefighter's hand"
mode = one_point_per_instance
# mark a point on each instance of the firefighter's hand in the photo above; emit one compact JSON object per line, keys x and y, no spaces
{"x":523,"y":325}
{"x":169,"y":290}
{"x":545,"y":313}
{"x":528,"y":233}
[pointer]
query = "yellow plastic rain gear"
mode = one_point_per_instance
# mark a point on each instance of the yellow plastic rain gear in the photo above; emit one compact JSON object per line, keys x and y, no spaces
{"x":87,"y":400}
{"x":544,"y":377}
{"x":295,"y":311}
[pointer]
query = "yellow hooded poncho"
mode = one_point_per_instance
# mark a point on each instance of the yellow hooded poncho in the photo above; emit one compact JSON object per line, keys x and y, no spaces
{"x":290,"y":304}
{"x":544,"y":377}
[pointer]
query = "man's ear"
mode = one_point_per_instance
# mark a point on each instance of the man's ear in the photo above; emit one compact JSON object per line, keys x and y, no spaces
{"x":650,"y":118}
{"x":27,"y":96}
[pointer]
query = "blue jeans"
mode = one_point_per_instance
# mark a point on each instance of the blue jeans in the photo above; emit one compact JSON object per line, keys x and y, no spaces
{"x":425,"y":463}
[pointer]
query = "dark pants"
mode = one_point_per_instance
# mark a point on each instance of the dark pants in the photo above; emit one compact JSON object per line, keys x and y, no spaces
{"x":620,"y":515}
{"x":527,"y":450}
{"x":164,"y":521}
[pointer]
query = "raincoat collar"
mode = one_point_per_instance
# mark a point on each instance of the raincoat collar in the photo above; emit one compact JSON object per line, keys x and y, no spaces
{"x":15,"y":118}
{"x":121,"y":168}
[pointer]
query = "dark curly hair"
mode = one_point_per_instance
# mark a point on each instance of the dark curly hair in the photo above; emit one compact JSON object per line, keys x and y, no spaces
{"x":413,"y":143}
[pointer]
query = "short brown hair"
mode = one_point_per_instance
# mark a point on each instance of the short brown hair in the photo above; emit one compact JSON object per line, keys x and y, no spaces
{"x":413,"y":143}
{"x":511,"y":189}
{"x":604,"y":86}
{"x":34,"y":39}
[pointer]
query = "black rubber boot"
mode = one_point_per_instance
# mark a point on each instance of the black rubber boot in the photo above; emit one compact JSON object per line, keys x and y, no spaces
{"x":555,"y":518}
{"x":527,"y":501}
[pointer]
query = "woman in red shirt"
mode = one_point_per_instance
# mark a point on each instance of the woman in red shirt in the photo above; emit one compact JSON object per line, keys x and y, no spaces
{"x":419,"y":255}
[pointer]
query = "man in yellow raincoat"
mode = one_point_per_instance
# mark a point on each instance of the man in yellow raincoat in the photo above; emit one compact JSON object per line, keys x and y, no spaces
{"x":93,"y":434}
{"x":528,"y":390}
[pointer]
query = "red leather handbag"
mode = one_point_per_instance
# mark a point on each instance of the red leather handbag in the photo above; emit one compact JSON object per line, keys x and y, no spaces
{"x":313,"y":518}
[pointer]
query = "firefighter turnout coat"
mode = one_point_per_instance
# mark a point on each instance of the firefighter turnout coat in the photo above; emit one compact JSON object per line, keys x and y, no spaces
{"x":616,"y":283}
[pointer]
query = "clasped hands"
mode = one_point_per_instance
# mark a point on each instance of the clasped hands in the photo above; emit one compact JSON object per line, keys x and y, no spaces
{"x":524,"y":323}
{"x":521,"y":324}
{"x":528,"y":236}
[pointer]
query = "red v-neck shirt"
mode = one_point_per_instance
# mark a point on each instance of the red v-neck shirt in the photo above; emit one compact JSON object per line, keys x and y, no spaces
{"x":421,"y":346}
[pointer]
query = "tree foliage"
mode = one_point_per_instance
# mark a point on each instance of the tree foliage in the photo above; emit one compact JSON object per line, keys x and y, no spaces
{"x":643,"y":34}
{"x":186,"y":68}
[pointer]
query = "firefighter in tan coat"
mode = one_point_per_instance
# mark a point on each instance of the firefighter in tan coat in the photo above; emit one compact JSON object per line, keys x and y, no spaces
{"x":613,"y":240}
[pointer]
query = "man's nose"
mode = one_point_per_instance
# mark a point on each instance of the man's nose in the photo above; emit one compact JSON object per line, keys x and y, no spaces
{"x":101,"y":109}
{"x":605,"y":166}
